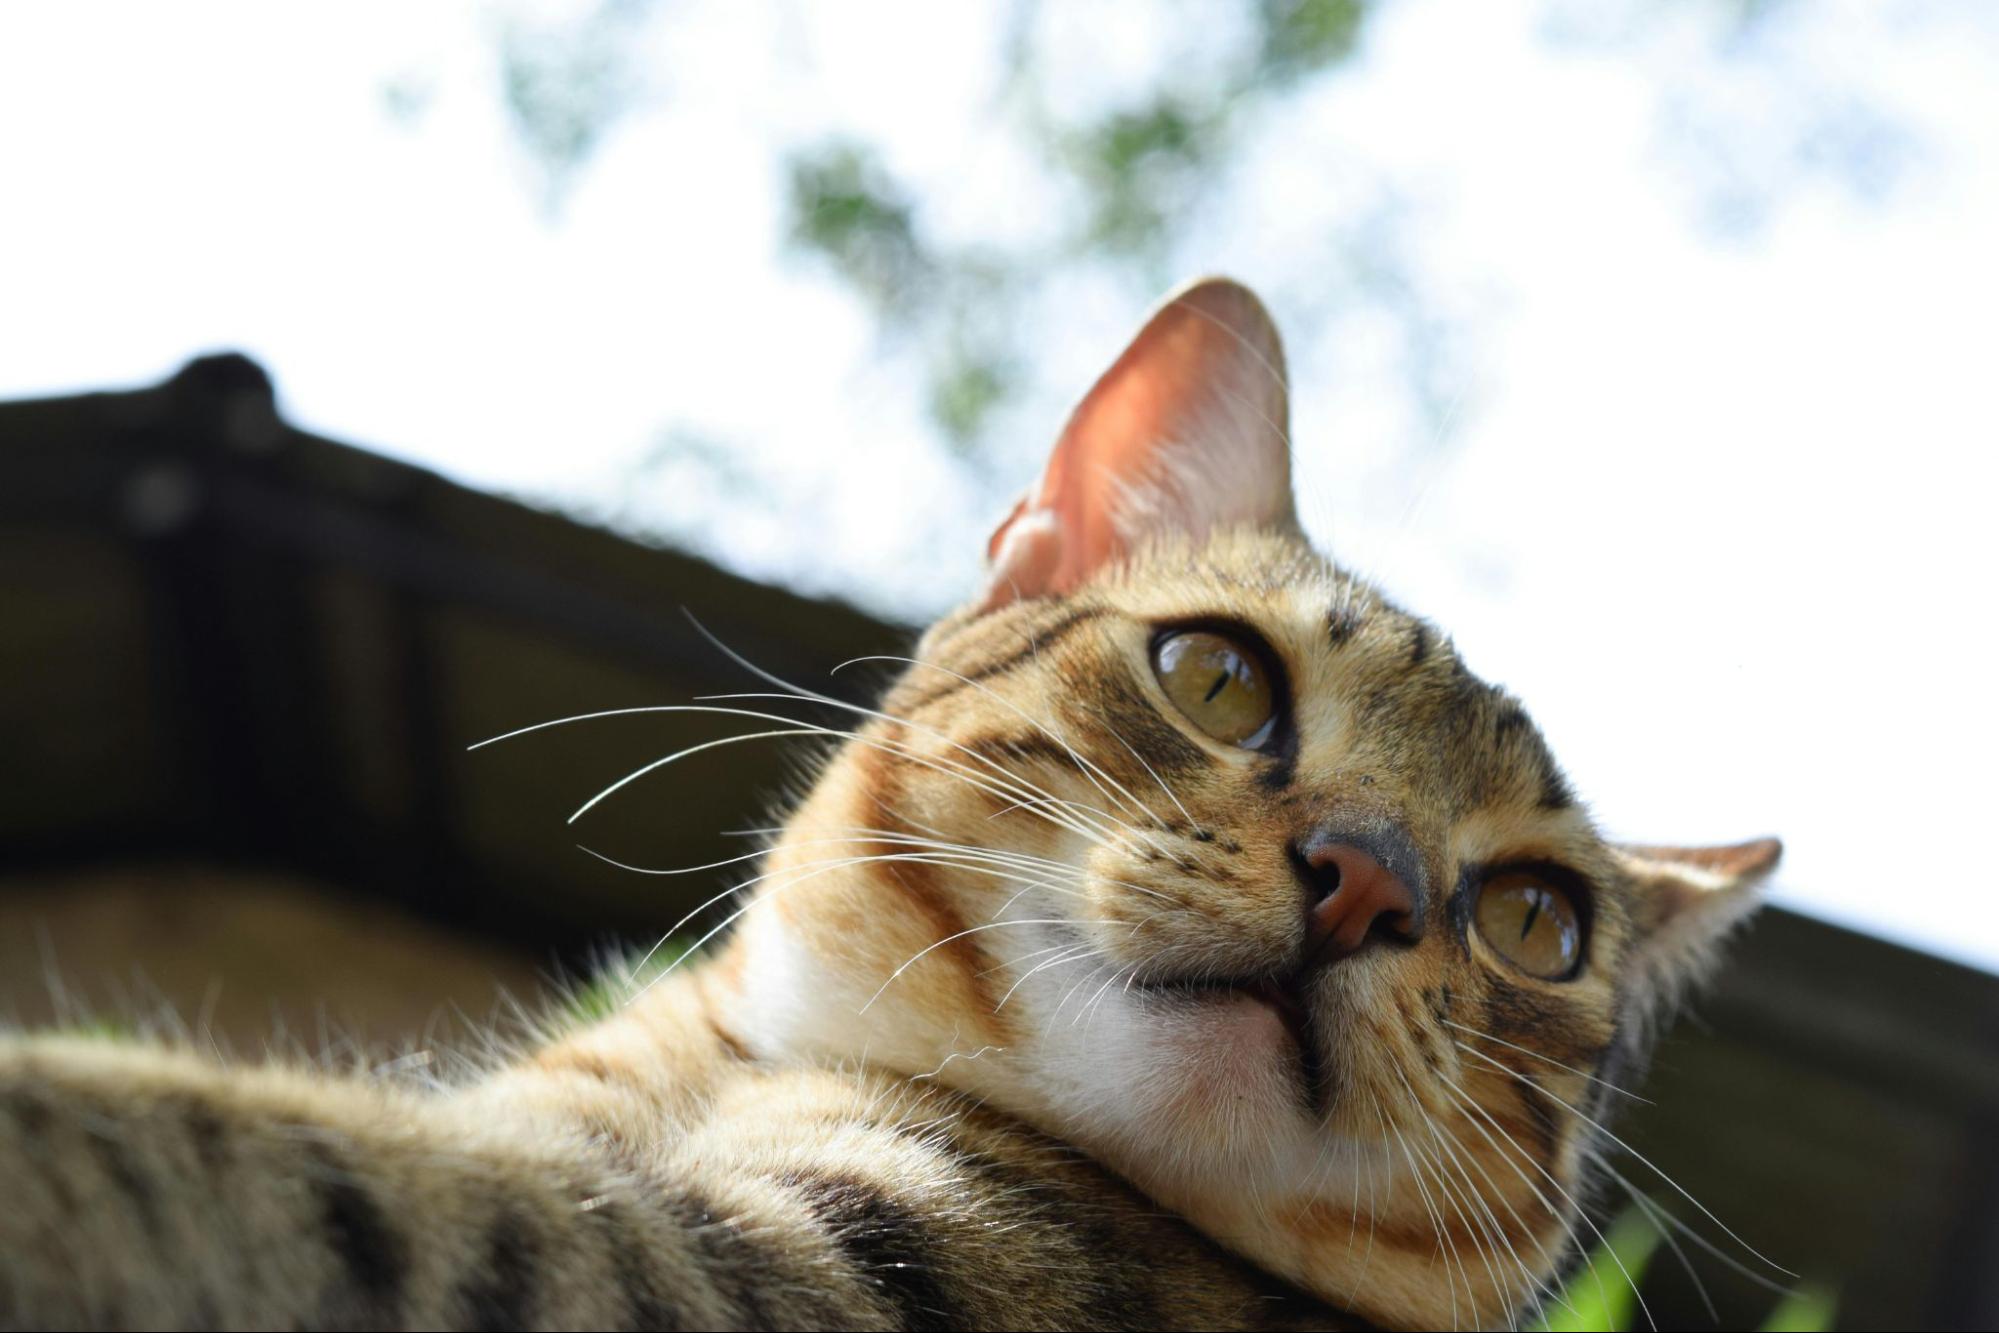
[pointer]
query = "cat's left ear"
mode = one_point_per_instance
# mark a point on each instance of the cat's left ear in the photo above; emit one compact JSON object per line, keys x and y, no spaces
{"x":1686,"y":902}
{"x":1186,"y":433}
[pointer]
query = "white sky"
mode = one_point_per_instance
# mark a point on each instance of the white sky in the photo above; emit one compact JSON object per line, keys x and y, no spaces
{"x":1718,"y":509}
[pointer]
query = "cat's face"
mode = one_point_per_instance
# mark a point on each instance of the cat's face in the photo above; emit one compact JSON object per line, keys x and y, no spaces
{"x":1190,"y":848}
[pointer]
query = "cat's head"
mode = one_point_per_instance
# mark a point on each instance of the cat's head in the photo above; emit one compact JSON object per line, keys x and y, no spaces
{"x":1187,"y":846}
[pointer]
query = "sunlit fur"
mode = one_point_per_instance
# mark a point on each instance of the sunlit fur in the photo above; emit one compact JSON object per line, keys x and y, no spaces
{"x":990,"y":884}
{"x":1026,"y":879}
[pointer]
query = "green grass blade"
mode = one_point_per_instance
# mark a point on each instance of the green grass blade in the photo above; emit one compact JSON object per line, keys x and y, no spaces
{"x":1809,"y":1309}
{"x":1602,"y":1301}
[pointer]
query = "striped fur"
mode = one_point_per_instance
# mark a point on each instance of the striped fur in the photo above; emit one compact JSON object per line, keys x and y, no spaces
{"x":149,"y":1189}
{"x":1428,"y":1164}
{"x":986,"y":1048}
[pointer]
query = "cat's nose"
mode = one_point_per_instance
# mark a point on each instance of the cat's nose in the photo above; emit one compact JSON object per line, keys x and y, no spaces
{"x":1351,"y":897}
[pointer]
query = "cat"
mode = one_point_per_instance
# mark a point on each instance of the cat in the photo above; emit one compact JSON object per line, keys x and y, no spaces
{"x":1188,"y":939}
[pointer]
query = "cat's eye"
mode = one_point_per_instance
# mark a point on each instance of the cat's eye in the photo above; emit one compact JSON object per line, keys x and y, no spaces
{"x":1222,"y":686}
{"x":1530,"y":923}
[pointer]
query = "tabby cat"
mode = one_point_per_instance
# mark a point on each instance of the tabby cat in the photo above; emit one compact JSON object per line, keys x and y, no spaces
{"x":1189,"y":939}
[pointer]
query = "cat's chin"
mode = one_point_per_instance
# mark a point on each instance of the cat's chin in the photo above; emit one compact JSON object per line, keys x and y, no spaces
{"x":1231,"y":1067}
{"x":1185,"y":1090}
{"x":1232,"y":1075}
{"x":1228,"y":1038}
{"x":1203,"y":1086}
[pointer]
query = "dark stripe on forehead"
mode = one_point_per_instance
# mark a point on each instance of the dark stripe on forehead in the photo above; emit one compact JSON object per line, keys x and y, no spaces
{"x":1038,"y":639}
{"x":1516,"y":741}
{"x":894,"y":1249}
{"x":1419,"y":643}
{"x":1556,"y":794}
{"x":1341,"y":623}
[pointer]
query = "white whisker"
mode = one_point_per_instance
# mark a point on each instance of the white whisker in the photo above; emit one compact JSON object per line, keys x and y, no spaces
{"x":928,"y":949}
{"x":1579,"y":1073}
{"x":1638,"y":1156}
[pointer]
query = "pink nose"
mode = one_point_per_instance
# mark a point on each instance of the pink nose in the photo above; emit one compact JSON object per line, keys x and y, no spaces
{"x":1354,"y":892}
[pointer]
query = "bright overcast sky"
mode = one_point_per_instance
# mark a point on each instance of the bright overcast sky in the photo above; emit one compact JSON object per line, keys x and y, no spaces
{"x":1715,"y":512}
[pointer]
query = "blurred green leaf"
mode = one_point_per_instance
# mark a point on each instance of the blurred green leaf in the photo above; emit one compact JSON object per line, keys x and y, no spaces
{"x":1302,"y":37}
{"x":847,"y":209}
{"x":1141,"y":168}
{"x":565,"y":85}
{"x":1809,"y":1309}
{"x":964,"y":392}
{"x":1600,"y":1295}
{"x":609,"y":990}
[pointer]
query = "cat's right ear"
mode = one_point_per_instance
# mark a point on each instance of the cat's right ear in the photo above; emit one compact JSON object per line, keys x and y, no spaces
{"x":1186,"y":433}
{"x":1686,"y":901}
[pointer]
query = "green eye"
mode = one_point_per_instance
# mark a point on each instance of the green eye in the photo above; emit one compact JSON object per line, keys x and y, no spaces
{"x":1222,"y":687}
{"x":1531,"y":924}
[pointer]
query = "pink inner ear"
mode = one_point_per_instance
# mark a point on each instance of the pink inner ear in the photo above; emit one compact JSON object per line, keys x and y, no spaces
{"x":1185,"y":431}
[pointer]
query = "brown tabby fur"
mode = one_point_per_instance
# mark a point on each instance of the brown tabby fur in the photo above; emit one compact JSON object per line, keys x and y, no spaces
{"x":980,"y":1053}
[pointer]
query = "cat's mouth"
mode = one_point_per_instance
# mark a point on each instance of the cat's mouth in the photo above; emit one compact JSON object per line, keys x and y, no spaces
{"x":1283,"y":997}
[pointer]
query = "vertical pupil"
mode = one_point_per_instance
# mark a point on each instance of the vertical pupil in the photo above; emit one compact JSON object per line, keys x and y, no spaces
{"x":1216,"y":688}
{"x":1533,"y":913}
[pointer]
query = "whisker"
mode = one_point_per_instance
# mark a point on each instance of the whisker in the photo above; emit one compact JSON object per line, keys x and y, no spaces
{"x":1014,"y":786}
{"x":719,"y":926}
{"x":1012,"y":775}
{"x":1091,"y":770}
{"x":1604,"y":1083}
{"x":927,"y":949}
{"x":1451,"y":1196}
{"x":678,"y":755}
{"x":1542,"y":1287}
{"x":955,"y":853}
{"x":1640,"y":1157}
{"x":1436,"y":1223}
{"x":972,"y":865}
{"x":1575,"y":1205}
{"x":1090,"y":1007}
{"x":1373,"y":1208}
{"x":1651,"y":1211}
{"x":1023,"y":858}
{"x":1067,"y":996}
{"x":1152,"y":772}
{"x":813,"y":869}
{"x":1074,"y":953}
{"x":1696,"y":1237}
{"x":1448,"y":1143}
{"x":1016,"y":962}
